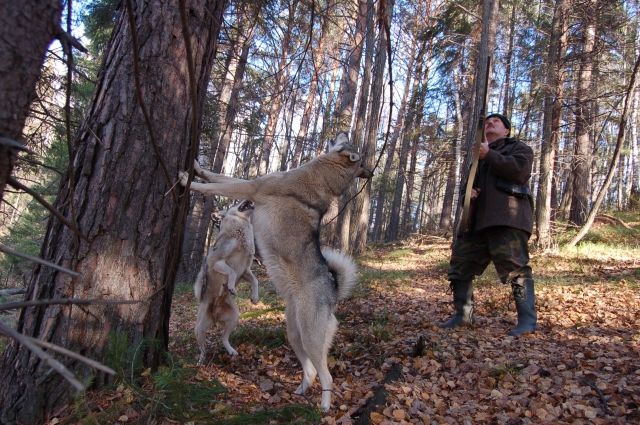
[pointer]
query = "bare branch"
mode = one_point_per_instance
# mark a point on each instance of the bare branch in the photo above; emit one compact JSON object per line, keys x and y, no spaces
{"x":7,"y":250}
{"x":14,"y":144}
{"x":63,"y":301}
{"x":17,"y":185}
{"x":68,"y":41}
{"x":46,"y":358}
{"x":58,"y":349}
{"x":12,"y":291}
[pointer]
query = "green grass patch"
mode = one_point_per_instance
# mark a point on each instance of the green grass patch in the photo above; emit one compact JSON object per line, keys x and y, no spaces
{"x":253,"y":314}
{"x":400,"y":254}
{"x":293,"y":414}
{"x":370,"y":274}
{"x":178,"y":396}
{"x":182,"y":288}
{"x":268,"y":337}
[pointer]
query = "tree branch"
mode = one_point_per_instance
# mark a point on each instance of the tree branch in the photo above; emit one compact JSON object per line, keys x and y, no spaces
{"x":38,"y":260}
{"x":63,"y":301}
{"x":17,"y":185}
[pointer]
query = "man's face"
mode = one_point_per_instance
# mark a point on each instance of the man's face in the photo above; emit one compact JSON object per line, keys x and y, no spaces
{"x":494,"y":129}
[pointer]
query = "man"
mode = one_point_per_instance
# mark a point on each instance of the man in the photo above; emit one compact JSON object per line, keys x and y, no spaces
{"x":500,"y":224}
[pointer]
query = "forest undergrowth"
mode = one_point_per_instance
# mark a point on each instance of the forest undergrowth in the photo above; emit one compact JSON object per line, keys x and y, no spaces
{"x":391,"y":363}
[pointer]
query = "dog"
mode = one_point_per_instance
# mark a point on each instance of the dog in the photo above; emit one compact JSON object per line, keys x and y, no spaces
{"x":227,"y":261}
{"x":288,"y":211}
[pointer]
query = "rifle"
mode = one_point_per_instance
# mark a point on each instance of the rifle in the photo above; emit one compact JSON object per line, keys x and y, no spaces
{"x":463,"y":225}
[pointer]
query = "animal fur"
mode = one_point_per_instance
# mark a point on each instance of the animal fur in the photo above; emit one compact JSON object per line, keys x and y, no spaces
{"x":228,"y":260}
{"x":288,"y":209}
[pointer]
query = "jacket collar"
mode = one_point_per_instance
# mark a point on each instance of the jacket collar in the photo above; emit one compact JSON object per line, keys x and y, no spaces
{"x":501,"y":142}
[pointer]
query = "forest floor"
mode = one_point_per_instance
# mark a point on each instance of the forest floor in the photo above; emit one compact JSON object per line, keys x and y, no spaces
{"x":391,"y":363}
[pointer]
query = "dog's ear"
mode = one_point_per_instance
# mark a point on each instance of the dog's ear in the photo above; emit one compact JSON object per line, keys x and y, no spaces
{"x":339,"y":143}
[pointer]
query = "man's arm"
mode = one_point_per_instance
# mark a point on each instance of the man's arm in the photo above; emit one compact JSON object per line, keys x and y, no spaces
{"x":514,"y":166}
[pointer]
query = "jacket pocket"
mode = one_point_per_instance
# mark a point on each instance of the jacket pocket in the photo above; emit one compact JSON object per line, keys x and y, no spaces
{"x":513,"y":189}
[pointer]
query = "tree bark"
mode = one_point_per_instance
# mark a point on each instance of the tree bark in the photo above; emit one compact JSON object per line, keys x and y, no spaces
{"x":133,"y":230}
{"x":554,"y":92}
{"x":26,"y":30}
{"x":583,"y":158}
{"x":453,"y":173}
{"x":360,"y":220}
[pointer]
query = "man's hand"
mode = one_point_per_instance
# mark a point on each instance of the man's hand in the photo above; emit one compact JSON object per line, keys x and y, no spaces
{"x":475,"y":193}
{"x":484,"y":149}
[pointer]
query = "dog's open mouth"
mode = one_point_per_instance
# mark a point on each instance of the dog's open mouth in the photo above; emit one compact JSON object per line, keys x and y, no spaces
{"x":245,"y":205}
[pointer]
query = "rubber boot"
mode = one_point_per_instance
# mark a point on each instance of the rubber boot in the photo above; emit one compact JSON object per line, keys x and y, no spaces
{"x":525,"y":298}
{"x":463,"y":303}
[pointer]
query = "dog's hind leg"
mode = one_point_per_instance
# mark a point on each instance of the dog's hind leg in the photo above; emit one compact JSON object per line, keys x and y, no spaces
{"x":321,"y":327}
{"x":231,"y":320}
{"x":203,"y":322}
{"x":249,"y":277}
{"x":222,"y":267}
{"x":293,"y":335}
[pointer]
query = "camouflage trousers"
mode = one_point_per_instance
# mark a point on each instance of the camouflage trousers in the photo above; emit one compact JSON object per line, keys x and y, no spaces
{"x":506,"y":247}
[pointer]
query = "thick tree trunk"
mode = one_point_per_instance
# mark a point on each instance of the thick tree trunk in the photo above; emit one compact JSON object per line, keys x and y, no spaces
{"x":26,"y":30}
{"x":133,"y":230}
{"x":582,"y":160}
{"x":551,"y":123}
{"x":360,"y":220}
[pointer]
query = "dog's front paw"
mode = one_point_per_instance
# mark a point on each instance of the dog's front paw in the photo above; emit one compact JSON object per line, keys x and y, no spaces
{"x":254,"y":299}
{"x":232,"y":290}
{"x":184,"y":177}
{"x":197,"y":168}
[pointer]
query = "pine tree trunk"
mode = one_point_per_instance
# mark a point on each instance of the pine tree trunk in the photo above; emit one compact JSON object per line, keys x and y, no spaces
{"x":393,"y":230}
{"x":582,"y":160}
{"x":133,"y":230}
{"x":391,"y":149}
{"x":551,"y":123}
{"x":26,"y":30}
{"x":485,"y":48}
{"x":453,"y":174}
{"x":360,"y":221}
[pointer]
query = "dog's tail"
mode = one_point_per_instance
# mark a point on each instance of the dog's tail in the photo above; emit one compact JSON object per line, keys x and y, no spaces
{"x":201,"y":281}
{"x":344,"y":269}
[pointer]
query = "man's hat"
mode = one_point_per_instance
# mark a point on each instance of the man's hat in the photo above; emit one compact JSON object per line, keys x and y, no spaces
{"x":505,"y":120}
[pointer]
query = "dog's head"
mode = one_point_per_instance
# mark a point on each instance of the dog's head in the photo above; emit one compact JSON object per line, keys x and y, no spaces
{"x":242,"y":209}
{"x":341,"y":146}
